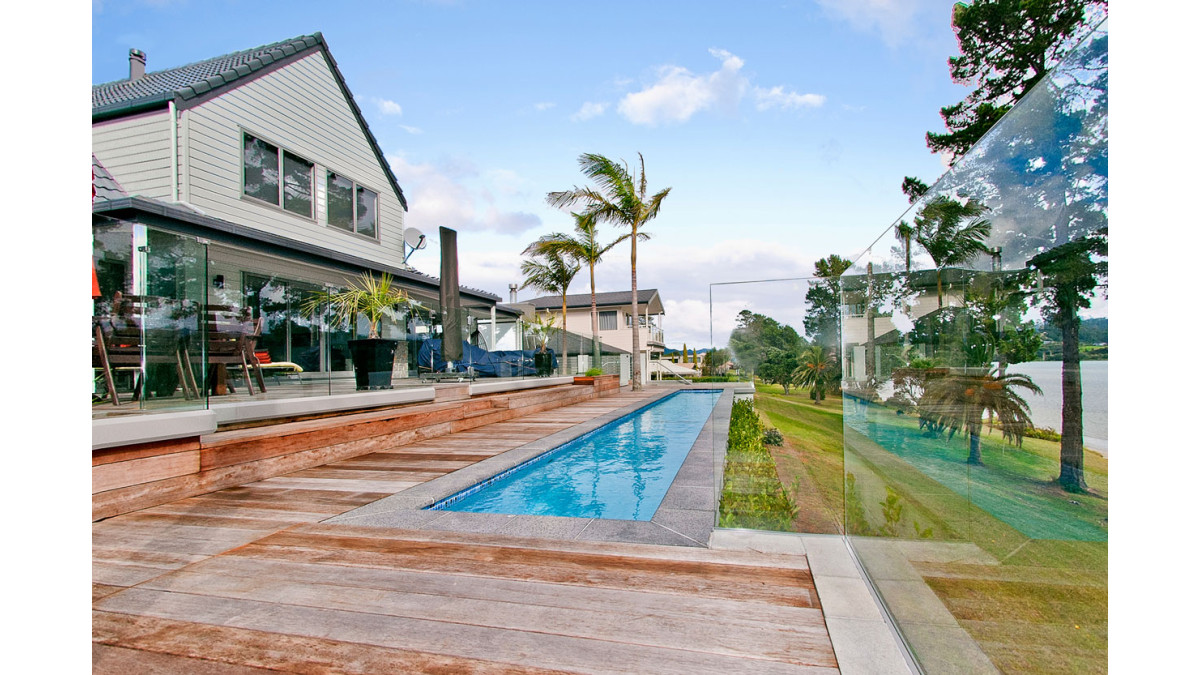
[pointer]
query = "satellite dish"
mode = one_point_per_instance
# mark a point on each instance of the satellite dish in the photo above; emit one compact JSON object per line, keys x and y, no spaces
{"x":414,"y":238}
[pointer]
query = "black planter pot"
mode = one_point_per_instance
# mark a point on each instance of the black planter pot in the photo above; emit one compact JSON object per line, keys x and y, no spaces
{"x":373,"y":360}
{"x":543,"y":363}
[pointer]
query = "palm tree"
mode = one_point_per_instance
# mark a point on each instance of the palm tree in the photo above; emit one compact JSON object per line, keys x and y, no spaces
{"x":960,"y":399}
{"x":552,"y":274}
{"x":582,"y":248}
{"x":817,"y":370}
{"x":941,"y":232}
{"x":619,"y":200}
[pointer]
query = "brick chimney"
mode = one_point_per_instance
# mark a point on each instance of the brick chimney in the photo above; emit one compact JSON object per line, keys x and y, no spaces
{"x":137,"y":64}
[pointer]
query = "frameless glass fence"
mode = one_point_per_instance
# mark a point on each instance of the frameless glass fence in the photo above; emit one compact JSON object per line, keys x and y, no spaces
{"x":180,"y":323}
{"x":976,"y":393}
{"x":961,"y":440}
{"x":783,"y":463}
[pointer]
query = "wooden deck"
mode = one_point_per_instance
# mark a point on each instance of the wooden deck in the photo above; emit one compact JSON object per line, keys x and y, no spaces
{"x":248,"y":580}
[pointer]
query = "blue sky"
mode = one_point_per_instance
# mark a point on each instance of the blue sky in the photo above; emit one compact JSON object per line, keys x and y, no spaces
{"x":784,"y":129}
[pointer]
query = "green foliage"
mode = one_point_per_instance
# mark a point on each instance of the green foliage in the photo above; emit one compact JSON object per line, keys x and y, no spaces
{"x":818,"y":371}
{"x":772,"y":437}
{"x":856,"y":515}
{"x":1044,"y":434}
{"x":822,"y":317}
{"x":777,"y":368}
{"x":371,"y":297}
{"x":1006,"y":47}
{"x":593,"y":372}
{"x":892,"y":509}
{"x":756,"y":335}
{"x":752,"y":495}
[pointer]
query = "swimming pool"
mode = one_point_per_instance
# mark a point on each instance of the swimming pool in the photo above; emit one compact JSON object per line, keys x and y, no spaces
{"x":619,"y":471}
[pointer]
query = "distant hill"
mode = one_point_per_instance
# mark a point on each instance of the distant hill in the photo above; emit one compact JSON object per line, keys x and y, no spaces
{"x":1091,"y":331}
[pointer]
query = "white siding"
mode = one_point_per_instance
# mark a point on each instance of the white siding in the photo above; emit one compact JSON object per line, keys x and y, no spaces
{"x":301,"y":109}
{"x":136,"y":150}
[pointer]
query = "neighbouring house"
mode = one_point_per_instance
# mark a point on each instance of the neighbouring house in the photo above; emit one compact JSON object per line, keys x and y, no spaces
{"x":891,"y":322}
{"x":247,"y":182}
{"x":616,"y":317}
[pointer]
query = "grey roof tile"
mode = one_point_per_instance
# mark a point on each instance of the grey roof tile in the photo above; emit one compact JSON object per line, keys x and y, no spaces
{"x":197,"y":78}
{"x":104,"y":186}
{"x":585,"y":299}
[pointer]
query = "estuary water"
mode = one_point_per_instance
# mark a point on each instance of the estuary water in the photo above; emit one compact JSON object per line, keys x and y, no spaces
{"x":1046,"y":410}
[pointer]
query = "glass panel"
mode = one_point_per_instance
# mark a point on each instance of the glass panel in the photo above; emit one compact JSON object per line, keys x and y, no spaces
{"x":341,"y":202}
{"x":146,"y":321}
{"x":784,"y":460}
{"x":297,"y":185}
{"x":976,"y":413}
{"x":366,"y":212}
{"x":260,"y":170}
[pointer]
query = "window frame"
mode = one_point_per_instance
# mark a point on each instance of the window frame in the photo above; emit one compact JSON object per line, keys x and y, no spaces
{"x":355,"y":186}
{"x":616,"y":322}
{"x":281,"y":151}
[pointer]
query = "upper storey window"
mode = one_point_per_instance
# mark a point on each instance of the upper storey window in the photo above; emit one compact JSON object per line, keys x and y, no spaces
{"x":277,"y":176}
{"x":352,"y":207}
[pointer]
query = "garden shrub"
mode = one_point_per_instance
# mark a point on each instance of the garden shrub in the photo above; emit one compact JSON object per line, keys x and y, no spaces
{"x":752,"y":496}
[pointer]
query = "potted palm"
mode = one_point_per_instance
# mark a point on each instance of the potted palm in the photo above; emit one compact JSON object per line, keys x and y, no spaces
{"x":374,"y":299}
{"x":541,"y":327}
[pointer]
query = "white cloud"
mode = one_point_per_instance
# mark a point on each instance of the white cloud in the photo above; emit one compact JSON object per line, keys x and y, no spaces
{"x":416,"y":131}
{"x":543,"y":105}
{"x":455,"y":195}
{"x":896,"y":21}
{"x":777,"y":97}
{"x":677,"y":94}
{"x":387,"y":107}
{"x":588,"y":111}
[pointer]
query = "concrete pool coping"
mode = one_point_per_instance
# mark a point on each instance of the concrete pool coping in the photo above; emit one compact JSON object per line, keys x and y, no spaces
{"x":686,"y":516}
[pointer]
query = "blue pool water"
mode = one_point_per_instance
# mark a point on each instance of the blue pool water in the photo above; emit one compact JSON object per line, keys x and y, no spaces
{"x":619,"y":471}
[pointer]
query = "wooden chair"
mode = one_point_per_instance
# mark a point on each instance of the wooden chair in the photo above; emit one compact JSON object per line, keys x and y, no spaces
{"x":122,"y":339}
{"x":231,"y":338}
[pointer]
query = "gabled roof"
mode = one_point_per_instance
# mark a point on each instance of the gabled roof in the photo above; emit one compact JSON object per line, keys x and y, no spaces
{"x":576,"y":301}
{"x":104,"y":186}
{"x":195,"y":83}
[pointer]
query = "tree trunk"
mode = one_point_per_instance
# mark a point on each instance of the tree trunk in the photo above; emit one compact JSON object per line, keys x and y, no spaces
{"x":1071,"y":455}
{"x":870,"y":313}
{"x":939,"y":287}
{"x":975,"y":456}
{"x":595,"y":321}
{"x":562,"y":341}
{"x":637,"y":357}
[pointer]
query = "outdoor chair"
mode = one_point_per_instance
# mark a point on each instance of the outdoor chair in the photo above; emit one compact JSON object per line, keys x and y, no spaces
{"x":136,"y":333}
{"x":231,"y":336}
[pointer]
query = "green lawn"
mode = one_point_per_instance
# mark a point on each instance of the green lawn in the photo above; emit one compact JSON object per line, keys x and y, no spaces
{"x":1040,"y":604}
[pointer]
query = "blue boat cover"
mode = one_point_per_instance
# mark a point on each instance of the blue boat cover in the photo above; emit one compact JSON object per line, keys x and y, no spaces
{"x":512,"y":363}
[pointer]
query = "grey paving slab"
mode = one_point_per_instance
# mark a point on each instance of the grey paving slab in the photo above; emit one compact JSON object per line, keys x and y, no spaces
{"x":847,"y":598}
{"x":457,"y":521}
{"x":755,"y":540}
{"x":693,"y":524}
{"x":829,"y":557}
{"x":635,"y":532}
{"x":914,"y":601}
{"x":695,"y":498}
{"x":545,"y":527}
{"x":946,"y":650}
{"x":865,"y":647}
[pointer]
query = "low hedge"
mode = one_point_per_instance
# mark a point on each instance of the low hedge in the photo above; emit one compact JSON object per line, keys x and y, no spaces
{"x":752,"y":496}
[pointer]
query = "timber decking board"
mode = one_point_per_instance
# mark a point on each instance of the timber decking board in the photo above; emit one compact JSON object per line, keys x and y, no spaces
{"x":248,"y":580}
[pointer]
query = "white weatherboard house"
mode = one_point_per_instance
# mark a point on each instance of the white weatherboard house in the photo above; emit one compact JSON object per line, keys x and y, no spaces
{"x":616,"y":314}
{"x":247,"y":182}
